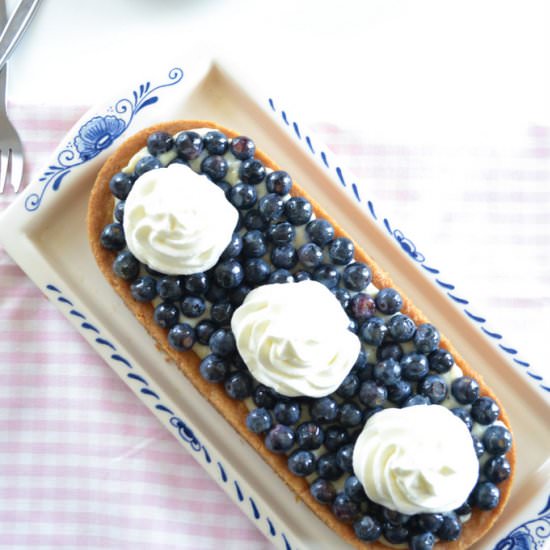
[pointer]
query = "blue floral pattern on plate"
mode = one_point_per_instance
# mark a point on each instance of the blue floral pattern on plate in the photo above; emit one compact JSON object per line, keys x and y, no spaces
{"x":531,"y":535}
{"x":96,"y":135}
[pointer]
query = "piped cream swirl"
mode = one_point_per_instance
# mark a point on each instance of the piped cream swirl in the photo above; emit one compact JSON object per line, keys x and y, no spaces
{"x":418,"y":459}
{"x":294,"y":338}
{"x":177,"y":221}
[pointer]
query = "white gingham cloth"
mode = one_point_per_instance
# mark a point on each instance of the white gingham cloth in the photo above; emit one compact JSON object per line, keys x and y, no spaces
{"x":83,"y":464}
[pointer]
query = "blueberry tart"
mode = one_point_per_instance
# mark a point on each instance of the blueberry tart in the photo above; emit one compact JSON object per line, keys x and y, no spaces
{"x":300,"y":340}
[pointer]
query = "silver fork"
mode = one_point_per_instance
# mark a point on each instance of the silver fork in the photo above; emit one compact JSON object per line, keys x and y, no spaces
{"x":11,"y":150}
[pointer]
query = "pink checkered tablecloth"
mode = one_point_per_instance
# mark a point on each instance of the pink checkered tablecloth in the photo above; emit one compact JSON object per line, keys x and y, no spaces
{"x":83,"y":464}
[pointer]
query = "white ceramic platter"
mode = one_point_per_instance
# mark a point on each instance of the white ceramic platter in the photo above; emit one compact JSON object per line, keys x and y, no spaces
{"x":44,"y":231}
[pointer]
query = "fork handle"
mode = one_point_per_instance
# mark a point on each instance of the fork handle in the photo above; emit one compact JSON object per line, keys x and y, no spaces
{"x":14,"y":29}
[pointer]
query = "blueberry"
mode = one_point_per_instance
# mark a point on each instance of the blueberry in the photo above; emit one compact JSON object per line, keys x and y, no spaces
{"x":463,"y":510}
{"x":465,"y":390}
{"x":320,"y":231}
{"x":486,"y":495}
{"x":234,"y":248}
{"x":361,"y":307}
{"x":252,"y":171}
{"x":429,"y":522}
{"x":372,"y":395}
{"x":222,"y":342}
{"x":215,"y":293}
{"x":189,"y":145}
{"x":401,"y":327}
{"x":426,"y":338}
{"x":416,"y":400}
{"x":221,"y":312}
{"x":204,"y":330}
{"x":341,"y":294}
{"x":281,"y":276}
{"x":485,"y":410}
{"x":120,"y":185}
{"x":393,"y":517}
{"x":434,"y":388}
{"x":373,"y":331}
{"x":259,"y":420}
{"x":422,"y":541}
{"x":414,"y":366}
{"x":280,"y":439}
{"x":395,"y":534}
{"x":225,"y":187}
{"x":309,"y":435}
{"x":335,"y":437}
{"x":271,"y":207}
{"x":284,"y":256}
{"x":166,"y":315}
{"x":497,"y":469}
{"x":144,"y":289}
{"x":327,"y":467}
{"x":237,"y":295}
{"x":322,"y":491}
{"x":344,"y":458}
{"x":324,"y":409}
{"x":215,"y":142}
{"x":256,"y":271}
{"x":287,"y":412}
{"x":341,"y":251}
{"x":357,"y":276}
{"x":213,"y":368}
{"x":399,"y":392}
{"x":238,"y":385}
{"x":389,"y":350}
{"x":441,"y":361}
{"x":345,"y":509}
{"x":126,"y":266}
{"x":354,"y":489}
{"x":243,"y":195}
{"x":197,"y":283}
{"x":349,"y":386}
{"x":254,"y":244}
{"x":362,"y":367}
{"x":112,"y":237}
{"x":310,"y":255}
{"x":497,"y":440}
{"x":169,"y":288}
{"x":350,"y":415}
{"x":451,"y":528}
{"x":478,"y":446}
{"x":464,"y":415}
{"x":301,"y":463}
{"x":147,"y":164}
{"x":367,"y":529}
{"x":252,"y":219}
{"x":279,"y":182}
{"x":215,"y":167}
{"x":119,"y":211}
{"x":327,"y":275}
{"x":242,"y":147}
{"x":264,"y":397}
{"x":389,"y":301}
{"x":298,"y":210}
{"x":229,"y":273}
{"x":193,"y":306}
{"x":159,"y":142}
{"x":182,"y":337}
{"x":281,"y":233}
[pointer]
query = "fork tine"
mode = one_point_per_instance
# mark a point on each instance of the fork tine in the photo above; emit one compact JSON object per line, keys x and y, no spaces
{"x":16,"y":172}
{"x":4,"y":157}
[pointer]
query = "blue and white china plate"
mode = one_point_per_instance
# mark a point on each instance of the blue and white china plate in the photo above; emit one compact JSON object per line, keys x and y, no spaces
{"x":48,"y":240}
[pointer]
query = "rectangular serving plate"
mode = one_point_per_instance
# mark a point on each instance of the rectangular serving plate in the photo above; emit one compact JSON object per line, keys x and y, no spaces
{"x":45,"y":233}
